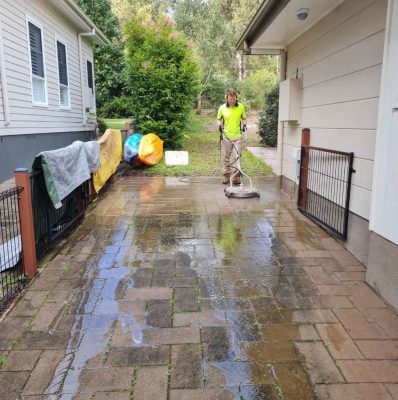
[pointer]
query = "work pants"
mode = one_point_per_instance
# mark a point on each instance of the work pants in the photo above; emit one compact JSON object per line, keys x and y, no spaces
{"x":226,"y":149}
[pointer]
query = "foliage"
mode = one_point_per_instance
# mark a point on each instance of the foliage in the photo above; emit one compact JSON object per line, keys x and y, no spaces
{"x":237,"y":14}
{"x":163,"y":76}
{"x":214,"y":90}
{"x":203,"y":23}
{"x":268,"y":121}
{"x":214,"y":26}
{"x":127,"y":9}
{"x":101,"y":125}
{"x":254,"y":86}
{"x":201,"y":140}
{"x":118,"y":107}
{"x":116,"y":123}
{"x":110,"y":66}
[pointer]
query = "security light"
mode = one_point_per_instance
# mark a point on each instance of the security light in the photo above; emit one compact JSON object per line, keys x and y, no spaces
{"x":302,"y":13}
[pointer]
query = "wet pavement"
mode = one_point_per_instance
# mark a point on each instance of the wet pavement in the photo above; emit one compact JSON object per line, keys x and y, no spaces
{"x":170,"y":291}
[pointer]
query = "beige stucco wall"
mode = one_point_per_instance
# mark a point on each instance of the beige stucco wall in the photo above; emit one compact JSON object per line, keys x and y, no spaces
{"x":340,"y":61}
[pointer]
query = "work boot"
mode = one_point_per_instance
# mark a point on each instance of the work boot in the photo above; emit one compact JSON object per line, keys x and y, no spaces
{"x":236,"y":180}
{"x":226,"y":178}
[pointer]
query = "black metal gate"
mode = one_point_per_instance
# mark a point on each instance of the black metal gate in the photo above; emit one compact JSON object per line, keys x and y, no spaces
{"x":325,"y":186}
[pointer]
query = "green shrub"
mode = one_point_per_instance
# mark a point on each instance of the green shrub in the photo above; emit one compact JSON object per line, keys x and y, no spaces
{"x":253,"y":87}
{"x":268,"y":120}
{"x":118,"y":107}
{"x":215,"y":88}
{"x":101,"y":125}
{"x":164,"y":77}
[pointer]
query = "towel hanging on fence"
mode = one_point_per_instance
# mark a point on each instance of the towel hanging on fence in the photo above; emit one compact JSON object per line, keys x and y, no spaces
{"x":111,"y":152}
{"x":66,"y":168}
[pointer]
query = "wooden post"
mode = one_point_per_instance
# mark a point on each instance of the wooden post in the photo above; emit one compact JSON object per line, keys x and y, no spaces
{"x":305,"y":141}
{"x":112,"y":179}
{"x":305,"y":137}
{"x":22,"y":178}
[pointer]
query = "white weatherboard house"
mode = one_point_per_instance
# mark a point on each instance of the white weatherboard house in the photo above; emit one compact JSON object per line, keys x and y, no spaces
{"x":345,"y":56}
{"x":47,"y":88}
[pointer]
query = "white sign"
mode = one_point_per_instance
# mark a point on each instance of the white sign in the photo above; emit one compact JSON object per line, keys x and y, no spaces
{"x":176,"y":158}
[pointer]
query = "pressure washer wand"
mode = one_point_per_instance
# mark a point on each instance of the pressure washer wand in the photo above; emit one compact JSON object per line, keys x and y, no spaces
{"x":240,"y":191}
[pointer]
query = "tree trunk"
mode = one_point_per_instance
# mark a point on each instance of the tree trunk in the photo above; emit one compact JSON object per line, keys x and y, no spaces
{"x":240,"y":63}
{"x":199,"y":104}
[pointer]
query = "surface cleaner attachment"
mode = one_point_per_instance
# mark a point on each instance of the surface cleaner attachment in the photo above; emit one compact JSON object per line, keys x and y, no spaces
{"x":240,"y":191}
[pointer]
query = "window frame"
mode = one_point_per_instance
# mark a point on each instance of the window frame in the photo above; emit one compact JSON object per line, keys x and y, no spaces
{"x":39,"y":26}
{"x":93,"y":92}
{"x":60,"y":40}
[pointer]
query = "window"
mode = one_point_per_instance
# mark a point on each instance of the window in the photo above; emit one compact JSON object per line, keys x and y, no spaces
{"x":90,"y":76}
{"x":64,"y":98}
{"x":90,"y":84}
{"x":39,"y":90}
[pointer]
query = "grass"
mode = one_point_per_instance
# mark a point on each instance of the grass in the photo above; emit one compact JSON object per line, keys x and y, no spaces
{"x":116,"y":123}
{"x":202,"y":143}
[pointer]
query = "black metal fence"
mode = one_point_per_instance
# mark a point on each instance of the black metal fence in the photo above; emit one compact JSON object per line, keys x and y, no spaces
{"x":12,"y":274}
{"x":51,"y":223}
{"x":325,"y":186}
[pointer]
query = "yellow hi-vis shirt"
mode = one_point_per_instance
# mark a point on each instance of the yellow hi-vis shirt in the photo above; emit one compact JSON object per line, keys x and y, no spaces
{"x":232,"y":117}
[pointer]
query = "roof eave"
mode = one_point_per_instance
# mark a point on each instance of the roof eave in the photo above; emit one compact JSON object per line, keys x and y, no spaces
{"x":264,"y":16}
{"x":75,"y":14}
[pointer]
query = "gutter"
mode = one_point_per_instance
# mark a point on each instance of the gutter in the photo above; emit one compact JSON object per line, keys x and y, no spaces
{"x":3,"y":80}
{"x":281,"y":125}
{"x":265,"y":15}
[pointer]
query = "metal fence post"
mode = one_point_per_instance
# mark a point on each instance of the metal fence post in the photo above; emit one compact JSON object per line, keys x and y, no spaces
{"x":22,"y":178}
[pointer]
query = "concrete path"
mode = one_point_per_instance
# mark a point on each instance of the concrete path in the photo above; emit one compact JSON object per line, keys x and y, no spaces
{"x":267,"y":154}
{"x":170,"y":291}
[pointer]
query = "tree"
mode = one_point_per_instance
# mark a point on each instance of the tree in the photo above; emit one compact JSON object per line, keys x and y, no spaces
{"x":258,"y":83}
{"x":163,"y":76}
{"x":110,"y":65}
{"x":238,"y":14}
{"x":127,"y":9}
{"x":203,"y":23}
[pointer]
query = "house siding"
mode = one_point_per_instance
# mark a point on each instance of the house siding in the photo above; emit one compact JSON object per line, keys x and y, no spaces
{"x":19,"y":151}
{"x":26,"y":118}
{"x":339,"y":61}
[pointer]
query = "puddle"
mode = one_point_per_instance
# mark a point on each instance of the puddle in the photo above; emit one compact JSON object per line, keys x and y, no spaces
{"x":93,"y":326}
{"x":236,"y":264}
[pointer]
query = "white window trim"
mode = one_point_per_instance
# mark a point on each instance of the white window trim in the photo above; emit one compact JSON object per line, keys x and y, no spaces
{"x":58,"y":39}
{"x":36,"y":23}
{"x":94,"y":108}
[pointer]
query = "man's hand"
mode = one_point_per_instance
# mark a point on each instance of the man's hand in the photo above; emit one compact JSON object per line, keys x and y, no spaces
{"x":220,"y":128}
{"x":244,"y":129}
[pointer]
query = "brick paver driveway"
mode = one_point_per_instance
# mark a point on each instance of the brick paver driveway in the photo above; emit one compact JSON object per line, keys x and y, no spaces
{"x":168,"y":290}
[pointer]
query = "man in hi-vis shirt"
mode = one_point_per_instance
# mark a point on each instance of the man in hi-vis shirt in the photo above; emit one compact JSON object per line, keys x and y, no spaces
{"x":230,"y":115}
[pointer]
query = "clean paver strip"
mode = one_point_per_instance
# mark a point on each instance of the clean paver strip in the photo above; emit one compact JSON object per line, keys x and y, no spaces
{"x":168,"y":290}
